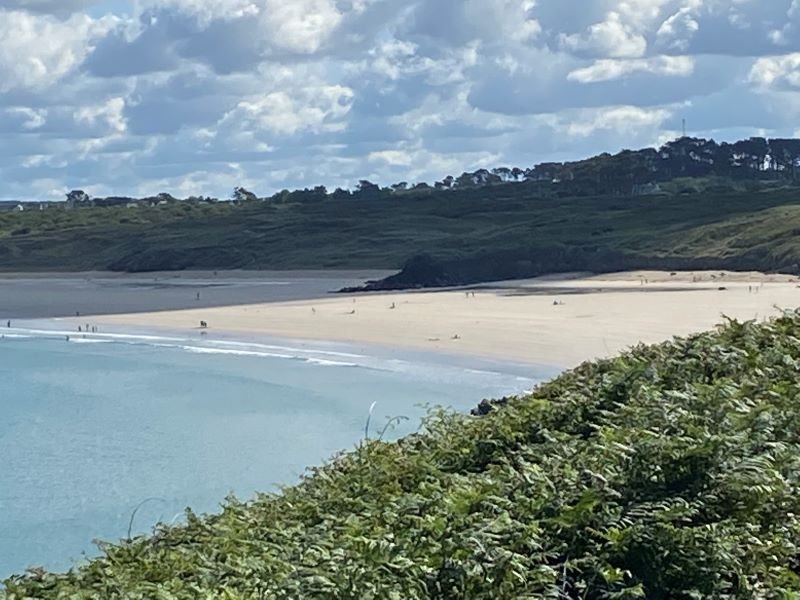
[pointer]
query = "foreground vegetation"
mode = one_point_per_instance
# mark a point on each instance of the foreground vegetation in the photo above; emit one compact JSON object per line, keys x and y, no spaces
{"x":669,"y":472}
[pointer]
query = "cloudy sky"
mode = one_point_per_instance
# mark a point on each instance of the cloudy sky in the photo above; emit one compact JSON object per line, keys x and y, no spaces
{"x":197,"y":96}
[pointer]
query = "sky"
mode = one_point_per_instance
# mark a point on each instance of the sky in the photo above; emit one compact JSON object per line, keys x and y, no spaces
{"x":195,"y":97}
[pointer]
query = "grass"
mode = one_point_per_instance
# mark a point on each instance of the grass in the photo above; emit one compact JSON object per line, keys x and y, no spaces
{"x":751,"y":229}
{"x":671,"y":471}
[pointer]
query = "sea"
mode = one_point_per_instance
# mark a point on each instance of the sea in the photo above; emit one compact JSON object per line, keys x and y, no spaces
{"x":105,"y":435}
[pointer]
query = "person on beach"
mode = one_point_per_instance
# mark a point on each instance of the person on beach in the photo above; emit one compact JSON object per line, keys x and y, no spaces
{"x":198,"y":295}
{"x":8,"y":324}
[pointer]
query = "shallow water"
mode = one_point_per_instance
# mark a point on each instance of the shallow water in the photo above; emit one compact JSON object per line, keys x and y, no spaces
{"x":91,"y":428}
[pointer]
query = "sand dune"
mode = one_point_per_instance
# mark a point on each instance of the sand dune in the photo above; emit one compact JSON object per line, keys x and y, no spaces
{"x":558,"y":321}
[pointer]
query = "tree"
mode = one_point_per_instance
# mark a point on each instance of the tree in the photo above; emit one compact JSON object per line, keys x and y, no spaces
{"x":366,"y":190}
{"x":446,"y":183}
{"x":785,"y":155}
{"x":240,"y":195}
{"x":77,"y":197}
{"x":166,"y":197}
{"x":340,"y":194}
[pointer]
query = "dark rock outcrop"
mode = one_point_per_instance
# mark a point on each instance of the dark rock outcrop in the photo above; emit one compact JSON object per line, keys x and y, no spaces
{"x":425,"y":271}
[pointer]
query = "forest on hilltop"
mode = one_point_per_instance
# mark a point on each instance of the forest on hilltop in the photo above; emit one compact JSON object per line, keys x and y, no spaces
{"x":691,"y":204}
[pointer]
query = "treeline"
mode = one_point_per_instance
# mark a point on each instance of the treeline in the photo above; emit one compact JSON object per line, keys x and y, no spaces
{"x":630,"y":172}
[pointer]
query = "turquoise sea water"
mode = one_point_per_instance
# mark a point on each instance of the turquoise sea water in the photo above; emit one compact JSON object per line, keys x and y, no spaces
{"x":92,"y":427}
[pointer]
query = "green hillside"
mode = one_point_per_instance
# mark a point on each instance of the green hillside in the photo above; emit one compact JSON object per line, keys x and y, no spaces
{"x":695,"y":226}
{"x":672,"y":471}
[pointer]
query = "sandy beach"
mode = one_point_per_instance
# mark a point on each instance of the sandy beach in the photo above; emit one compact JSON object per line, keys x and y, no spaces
{"x":556,"y":321}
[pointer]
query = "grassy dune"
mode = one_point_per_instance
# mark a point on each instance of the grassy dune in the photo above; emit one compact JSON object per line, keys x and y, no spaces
{"x":671,"y":471}
{"x":748,"y":229}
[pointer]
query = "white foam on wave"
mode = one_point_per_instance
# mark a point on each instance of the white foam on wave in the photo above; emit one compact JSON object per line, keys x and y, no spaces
{"x":330,"y":363}
{"x":95,"y":335}
{"x":325,"y":357}
{"x":211,"y":350}
{"x":287,"y":348}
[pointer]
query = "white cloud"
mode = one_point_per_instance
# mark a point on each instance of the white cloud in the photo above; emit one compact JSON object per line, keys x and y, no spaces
{"x":36,"y":50}
{"x":301,"y":26}
{"x":31,"y":118}
{"x":610,"y":69}
{"x":612,"y":38}
{"x":678,"y":30}
{"x":776,"y":70}
{"x":315,"y":109}
{"x":395,"y":158}
{"x":620,"y":119}
{"x":110,"y":114}
{"x":208,"y":10}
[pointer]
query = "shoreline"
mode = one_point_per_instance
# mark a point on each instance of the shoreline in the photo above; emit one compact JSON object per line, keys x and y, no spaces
{"x":39,"y":295}
{"x":556,"y":322}
{"x":380,"y":357}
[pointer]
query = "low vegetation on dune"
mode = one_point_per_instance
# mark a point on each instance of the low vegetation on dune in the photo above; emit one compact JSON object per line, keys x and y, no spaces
{"x":669,"y":472}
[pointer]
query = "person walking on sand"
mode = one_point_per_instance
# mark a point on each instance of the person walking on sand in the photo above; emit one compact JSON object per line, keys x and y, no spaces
{"x":8,"y":324}
{"x":198,"y":295}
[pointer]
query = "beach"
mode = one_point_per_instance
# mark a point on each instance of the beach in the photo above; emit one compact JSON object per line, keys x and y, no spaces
{"x":554,"y":321}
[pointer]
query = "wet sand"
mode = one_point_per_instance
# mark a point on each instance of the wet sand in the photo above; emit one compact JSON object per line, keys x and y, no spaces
{"x":45,"y":295}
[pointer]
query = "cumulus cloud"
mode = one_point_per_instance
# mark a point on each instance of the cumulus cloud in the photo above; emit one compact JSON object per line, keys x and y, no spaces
{"x":613,"y":38}
{"x":279,"y":113}
{"x":777,"y":71}
{"x":630,"y":119}
{"x":36,"y":51}
{"x":609,"y":69}
{"x":197,"y":96}
{"x":48,"y":6}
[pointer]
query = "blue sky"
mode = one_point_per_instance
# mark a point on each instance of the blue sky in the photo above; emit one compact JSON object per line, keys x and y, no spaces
{"x":199,"y":96}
